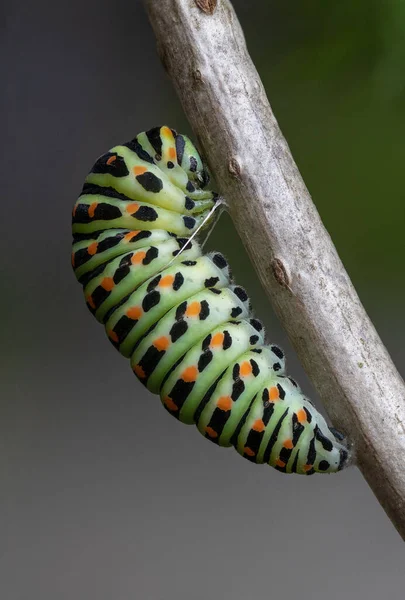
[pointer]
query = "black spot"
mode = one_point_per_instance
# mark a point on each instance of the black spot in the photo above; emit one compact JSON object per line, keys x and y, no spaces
{"x":227,"y":343}
{"x":256,"y":324}
{"x":235,"y":371}
{"x":298,"y":429}
{"x":215,"y":291}
{"x":204,"y":311}
{"x":295,"y":463}
{"x":311,"y":456}
{"x":81,"y":257}
{"x":241,"y":293}
{"x":189,"y":263}
{"x":238,"y":388}
{"x":155,"y":139}
{"x":178,"y":329}
{"x":211,"y":282}
{"x":136,"y":147}
{"x":153,"y":283}
{"x":295,"y":384}
{"x":206,"y":342}
{"x":178,"y":281}
{"x":268,"y":410}
{"x":308,"y":414}
{"x":257,"y":350}
{"x":189,"y":204}
{"x":170,"y":165}
{"x":281,"y":392}
{"x":343,"y":458}
{"x":180,"y":310}
{"x":205,"y":179}
{"x":190,"y":187}
{"x":116,"y":167}
{"x":150,"y":300}
{"x":220,"y":261}
{"x":204,"y":360}
{"x":123,"y":270}
{"x":325,"y":442}
{"x":339,"y":436}
{"x":150,"y":182}
{"x":276,"y":367}
{"x":255,"y":367}
{"x":103,"y":211}
{"x":180,"y":144}
{"x":151,"y":254}
{"x":323,"y":465}
{"x":99,"y":295}
{"x":277,"y":351}
{"x":274,"y":435}
{"x":235,"y":312}
{"x":189,"y":222}
{"x":184,"y":243}
{"x":265,"y":397}
{"x":253,"y":340}
{"x":193,"y":164}
{"x":146,"y":213}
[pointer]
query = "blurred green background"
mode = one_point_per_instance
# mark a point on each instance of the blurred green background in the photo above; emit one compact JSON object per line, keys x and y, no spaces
{"x":103,"y":495}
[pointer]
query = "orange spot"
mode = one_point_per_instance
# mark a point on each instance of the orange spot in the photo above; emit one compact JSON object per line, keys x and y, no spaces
{"x":171,"y":153}
{"x":113,"y":336}
{"x":249,"y":451}
{"x":225,"y":403}
{"x":107,"y":284}
{"x":139,"y":372}
{"x":90,"y":302}
{"x":301,"y":416}
{"x":138,"y":257}
{"x":245,"y":369}
{"x":170,"y":404}
{"x":166,"y":131}
{"x":91,"y":209}
{"x":288,"y":444}
{"x":139,"y":170}
{"x":92,"y":249}
{"x":111,"y":160}
{"x":217,"y":339}
{"x":307,"y":467}
{"x":211,"y":432}
{"x":280,"y":463}
{"x":258,"y":425}
{"x":193,"y":309}
{"x":189,"y":374}
{"x":134,"y":312}
{"x":161,"y":343}
{"x":74,"y":210}
{"x":129,"y":236}
{"x":274,"y":394}
{"x":132,"y":207}
{"x":166,"y":281}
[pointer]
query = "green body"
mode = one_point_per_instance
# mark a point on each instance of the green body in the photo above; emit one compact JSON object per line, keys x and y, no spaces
{"x":174,"y":312}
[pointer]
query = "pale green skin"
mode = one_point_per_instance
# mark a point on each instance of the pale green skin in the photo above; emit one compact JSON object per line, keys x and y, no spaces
{"x":185,"y":369}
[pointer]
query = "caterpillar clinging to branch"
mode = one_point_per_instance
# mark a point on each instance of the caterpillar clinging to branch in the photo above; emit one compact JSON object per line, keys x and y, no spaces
{"x":175,"y":312}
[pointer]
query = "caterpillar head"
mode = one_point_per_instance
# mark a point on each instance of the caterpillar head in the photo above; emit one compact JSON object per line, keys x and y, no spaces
{"x":190,"y":161}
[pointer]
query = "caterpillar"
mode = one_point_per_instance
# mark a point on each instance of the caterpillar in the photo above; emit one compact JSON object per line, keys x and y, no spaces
{"x":175,"y":312}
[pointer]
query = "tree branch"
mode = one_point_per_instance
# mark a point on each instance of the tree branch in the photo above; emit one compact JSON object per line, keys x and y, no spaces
{"x":203,"y":49}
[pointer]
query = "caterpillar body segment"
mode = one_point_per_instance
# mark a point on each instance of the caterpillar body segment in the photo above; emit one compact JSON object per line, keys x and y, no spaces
{"x":176,"y":314}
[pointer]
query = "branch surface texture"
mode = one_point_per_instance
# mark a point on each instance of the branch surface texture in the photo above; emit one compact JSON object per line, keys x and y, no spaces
{"x":202,"y":47}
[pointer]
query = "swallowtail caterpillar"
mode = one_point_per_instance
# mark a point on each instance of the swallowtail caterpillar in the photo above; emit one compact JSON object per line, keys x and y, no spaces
{"x":176,"y":313}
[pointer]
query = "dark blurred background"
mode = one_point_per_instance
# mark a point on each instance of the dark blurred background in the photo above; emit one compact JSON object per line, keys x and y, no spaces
{"x":103,"y":495}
